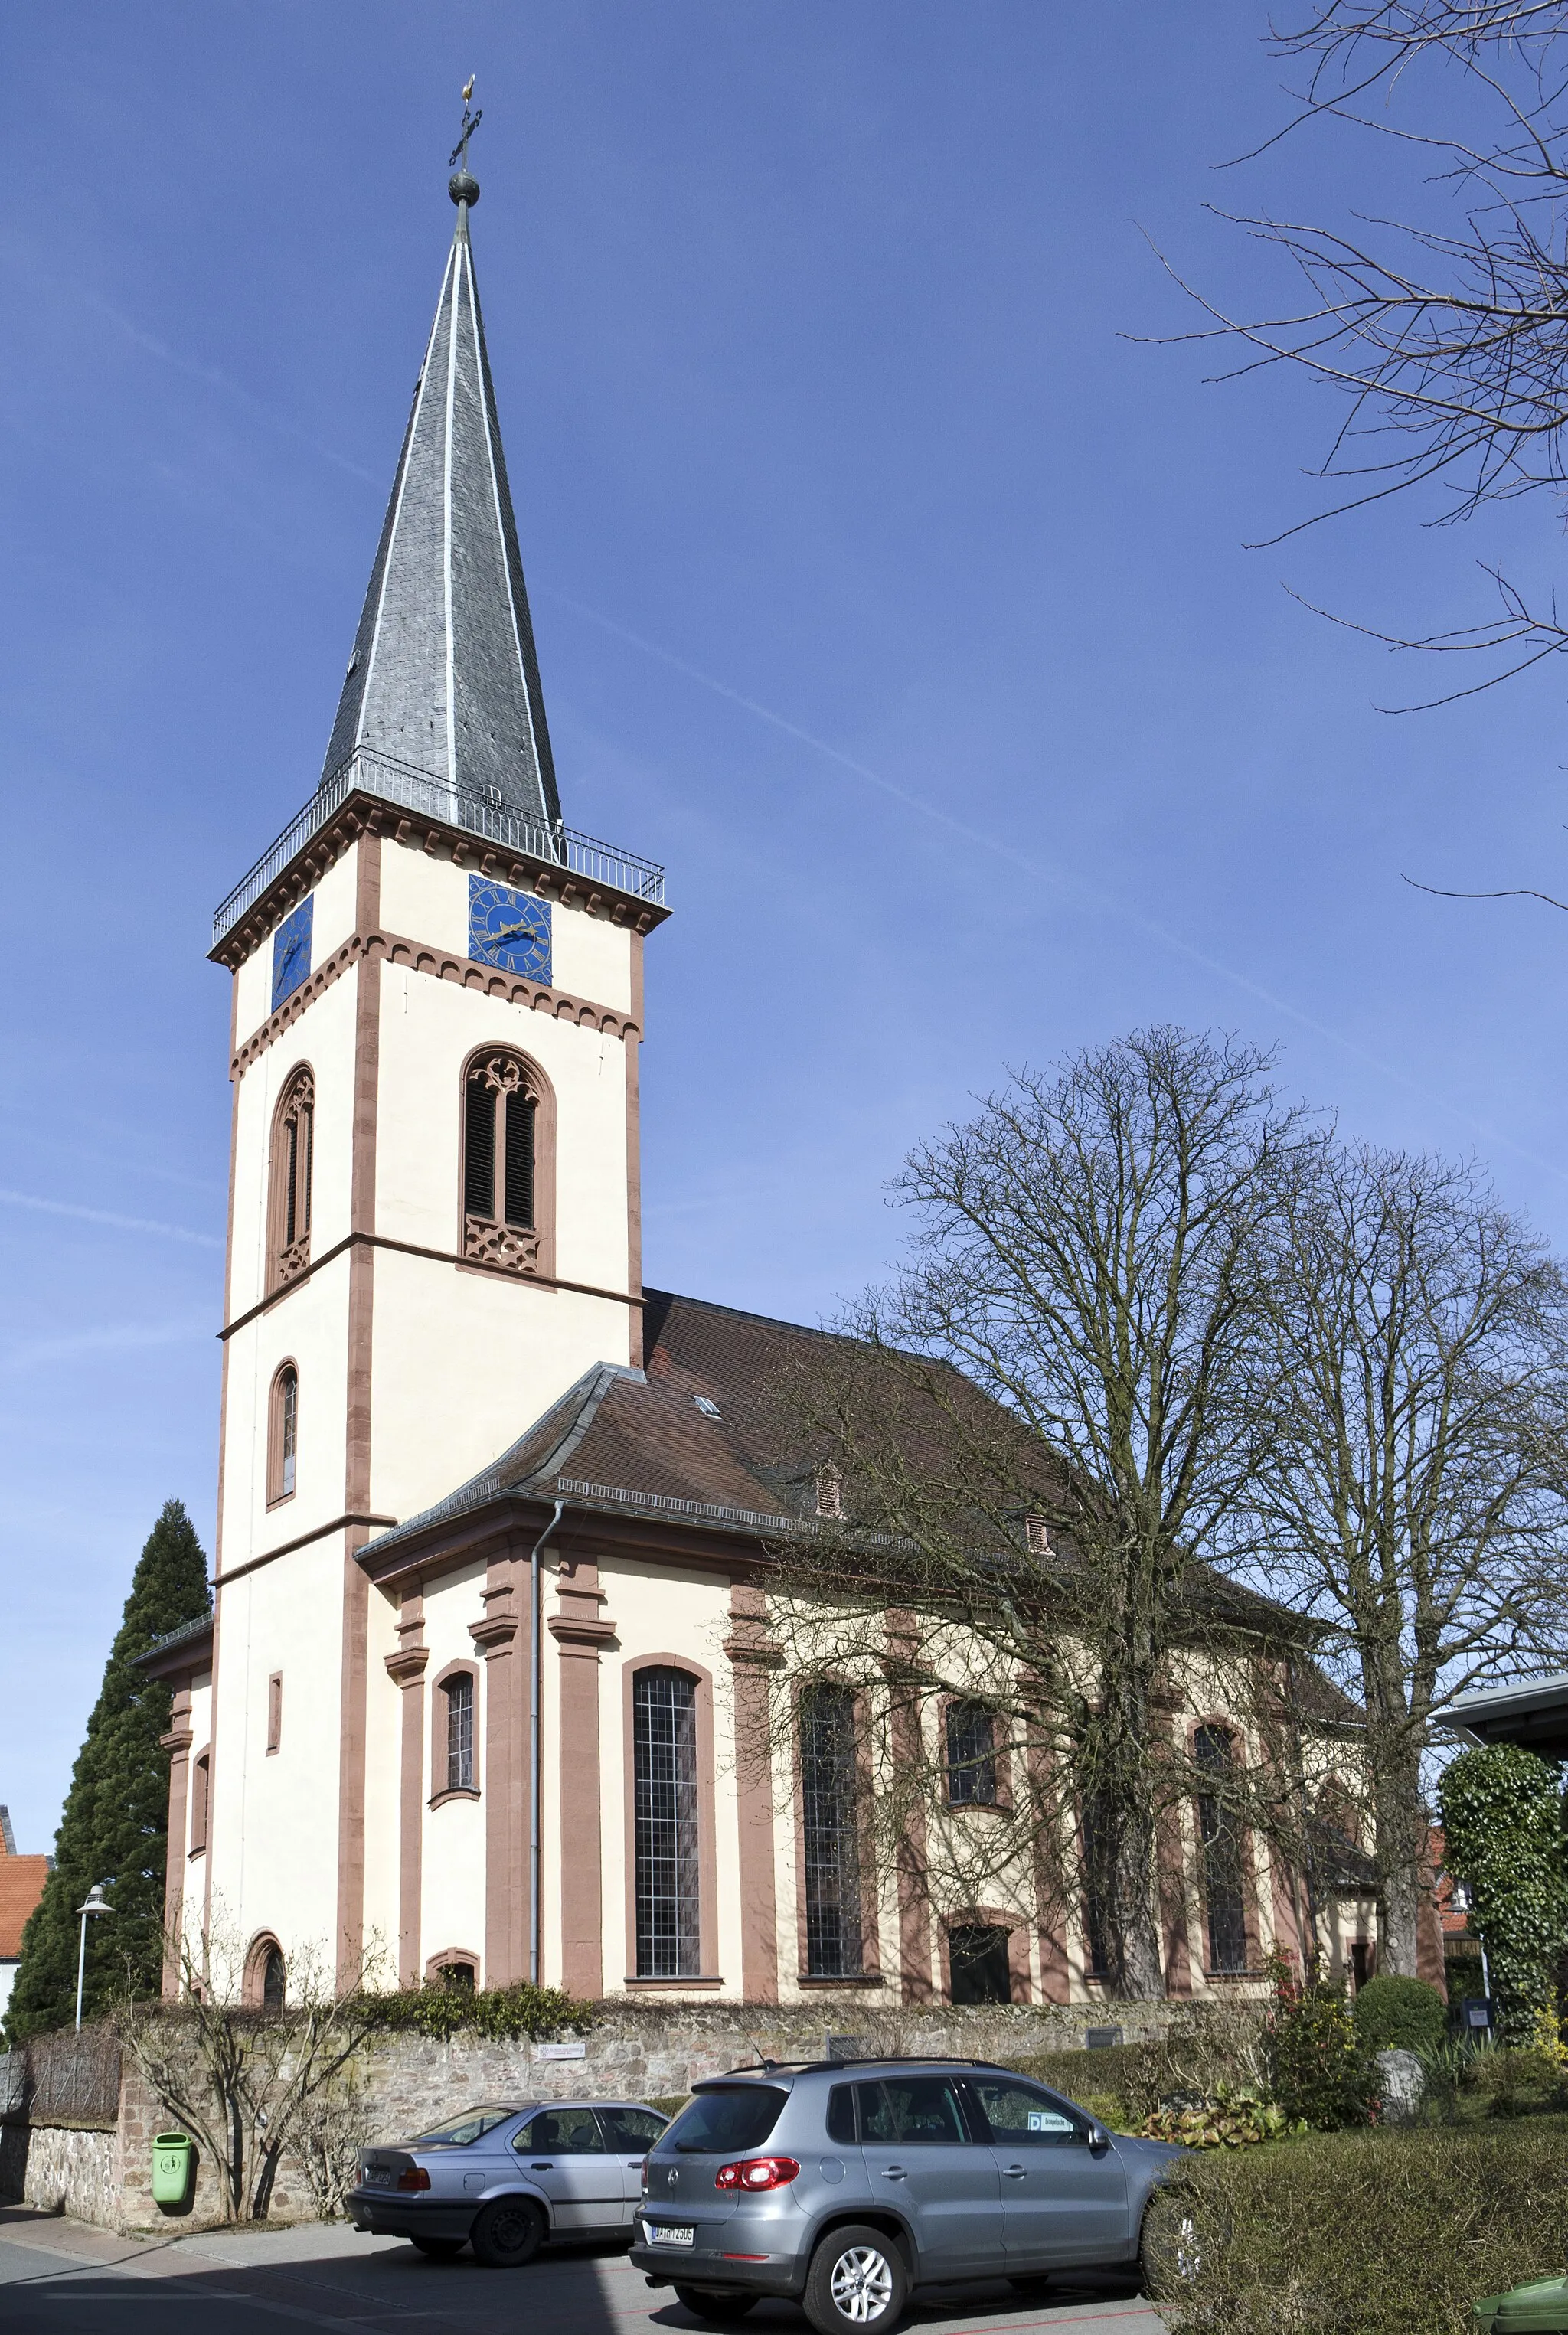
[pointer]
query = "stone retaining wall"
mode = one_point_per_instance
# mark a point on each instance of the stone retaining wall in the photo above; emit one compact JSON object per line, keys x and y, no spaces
{"x":65,"y":2170}
{"x":640,"y":2050}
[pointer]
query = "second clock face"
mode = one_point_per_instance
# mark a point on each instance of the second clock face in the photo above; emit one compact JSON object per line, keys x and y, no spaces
{"x":509,"y":929}
{"x":291,"y":951}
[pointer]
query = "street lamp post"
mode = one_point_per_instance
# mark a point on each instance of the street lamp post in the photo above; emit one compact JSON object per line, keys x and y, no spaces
{"x":94,"y":1904}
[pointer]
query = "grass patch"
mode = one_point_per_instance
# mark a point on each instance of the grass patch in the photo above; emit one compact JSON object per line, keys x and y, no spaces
{"x":1372,"y":2232}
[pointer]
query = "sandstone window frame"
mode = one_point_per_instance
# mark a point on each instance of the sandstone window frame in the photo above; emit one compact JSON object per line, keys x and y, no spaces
{"x":442,"y":1719}
{"x":707,"y":1855}
{"x":200,"y":1800}
{"x":264,"y":1985}
{"x":291,"y":1177}
{"x":282,"y":1433}
{"x":488,"y":1164}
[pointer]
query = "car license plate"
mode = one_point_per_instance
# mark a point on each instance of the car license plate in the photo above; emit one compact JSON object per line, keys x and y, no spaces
{"x":671,"y":2234}
{"x":379,"y":2176}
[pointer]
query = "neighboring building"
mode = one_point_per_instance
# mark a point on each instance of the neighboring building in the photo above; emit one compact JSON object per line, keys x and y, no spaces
{"x":489,"y":1641}
{"x":22,"y":1880}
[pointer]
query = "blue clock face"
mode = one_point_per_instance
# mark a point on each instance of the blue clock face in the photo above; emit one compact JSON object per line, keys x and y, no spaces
{"x":509,"y":929}
{"x":291,"y":951}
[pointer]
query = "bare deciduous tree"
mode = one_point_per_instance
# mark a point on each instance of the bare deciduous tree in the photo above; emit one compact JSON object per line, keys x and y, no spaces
{"x":1034,"y":1429}
{"x":1412,"y":1484}
{"x":250,"y":2085}
{"x":1448,"y":339}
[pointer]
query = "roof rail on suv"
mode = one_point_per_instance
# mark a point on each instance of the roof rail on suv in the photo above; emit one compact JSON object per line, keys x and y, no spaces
{"x":762,"y":2066}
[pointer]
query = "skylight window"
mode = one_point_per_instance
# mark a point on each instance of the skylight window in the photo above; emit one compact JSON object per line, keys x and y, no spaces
{"x":708,"y":1408}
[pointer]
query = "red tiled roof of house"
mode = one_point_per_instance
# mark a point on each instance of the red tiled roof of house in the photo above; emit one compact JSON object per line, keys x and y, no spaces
{"x":22,"y":1880}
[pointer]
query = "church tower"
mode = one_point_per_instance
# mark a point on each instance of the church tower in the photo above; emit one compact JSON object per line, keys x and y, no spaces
{"x":433,"y":1224}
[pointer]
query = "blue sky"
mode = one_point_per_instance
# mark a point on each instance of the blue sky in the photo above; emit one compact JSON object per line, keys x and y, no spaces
{"x":887,"y":588}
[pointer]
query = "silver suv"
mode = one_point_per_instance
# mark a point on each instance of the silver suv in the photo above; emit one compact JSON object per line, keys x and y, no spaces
{"x":847,"y":2185}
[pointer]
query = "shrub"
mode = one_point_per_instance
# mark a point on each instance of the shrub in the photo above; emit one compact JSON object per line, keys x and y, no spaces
{"x":1320,"y":2074}
{"x":1511,"y":2083}
{"x":1400,"y":2014}
{"x":1370,"y":2233}
{"x":503,"y":2013}
{"x":1237,"y":2120}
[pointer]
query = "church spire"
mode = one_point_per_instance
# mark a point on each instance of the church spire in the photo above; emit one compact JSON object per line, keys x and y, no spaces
{"x":444,"y":678}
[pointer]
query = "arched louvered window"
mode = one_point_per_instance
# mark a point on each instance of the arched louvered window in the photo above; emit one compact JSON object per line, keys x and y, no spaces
{"x":293,"y":1158}
{"x":502,"y":1097}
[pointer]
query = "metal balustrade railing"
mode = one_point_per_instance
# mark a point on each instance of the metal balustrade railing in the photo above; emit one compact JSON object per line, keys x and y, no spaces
{"x":367,"y":771}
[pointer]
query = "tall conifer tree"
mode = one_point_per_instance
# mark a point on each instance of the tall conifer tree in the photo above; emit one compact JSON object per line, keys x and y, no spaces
{"x":116,"y":1820}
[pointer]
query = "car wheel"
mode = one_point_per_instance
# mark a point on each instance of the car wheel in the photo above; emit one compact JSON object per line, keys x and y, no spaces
{"x":508,"y":2234}
{"x":1174,"y":2247}
{"x":711,"y":2304}
{"x":439,"y":2248}
{"x":857,"y":2278}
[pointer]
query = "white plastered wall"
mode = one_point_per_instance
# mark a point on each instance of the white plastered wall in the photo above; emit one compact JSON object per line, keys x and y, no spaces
{"x":331,"y":922}
{"x":194,"y":1867}
{"x":452,"y":1866}
{"x":464,"y":1361}
{"x":275,"y":1819}
{"x":427,"y":899}
{"x":382,"y":1792}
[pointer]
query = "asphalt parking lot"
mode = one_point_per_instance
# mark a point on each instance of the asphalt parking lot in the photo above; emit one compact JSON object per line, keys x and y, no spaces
{"x":62,"y":2278}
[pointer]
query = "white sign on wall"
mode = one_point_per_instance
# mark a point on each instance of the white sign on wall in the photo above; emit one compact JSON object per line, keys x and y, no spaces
{"x":560,"y":2051}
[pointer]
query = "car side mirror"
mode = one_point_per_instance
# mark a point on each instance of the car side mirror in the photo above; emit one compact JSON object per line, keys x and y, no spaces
{"x":1098,"y":2139}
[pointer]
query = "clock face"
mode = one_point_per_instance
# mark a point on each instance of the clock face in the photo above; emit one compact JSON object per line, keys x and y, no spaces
{"x":291,"y":951}
{"x":509,"y":929}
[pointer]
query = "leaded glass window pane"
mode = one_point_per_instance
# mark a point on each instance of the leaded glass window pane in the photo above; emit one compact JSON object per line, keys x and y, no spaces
{"x":664,"y":1790}
{"x":1220,"y":1846}
{"x":831,"y":1855}
{"x":461,"y":1735}
{"x":971,"y":1755}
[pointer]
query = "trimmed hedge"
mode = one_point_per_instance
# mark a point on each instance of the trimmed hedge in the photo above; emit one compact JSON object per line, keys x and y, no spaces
{"x":503,"y":2013}
{"x":1371,"y":2233}
{"x":1400,"y":2014}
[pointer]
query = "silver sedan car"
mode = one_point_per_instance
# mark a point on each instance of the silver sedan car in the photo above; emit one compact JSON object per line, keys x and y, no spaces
{"x":503,"y":2179}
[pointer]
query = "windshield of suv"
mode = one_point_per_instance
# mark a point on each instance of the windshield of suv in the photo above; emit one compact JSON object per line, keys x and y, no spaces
{"x":725,"y":2122}
{"x":461,"y":2131}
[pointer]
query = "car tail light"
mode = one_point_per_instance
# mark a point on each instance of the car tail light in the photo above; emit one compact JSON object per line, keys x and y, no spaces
{"x":644,"y":2170}
{"x":415,"y":2177}
{"x":757,"y":2173}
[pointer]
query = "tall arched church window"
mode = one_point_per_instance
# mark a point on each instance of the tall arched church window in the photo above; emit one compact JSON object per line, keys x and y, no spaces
{"x":504,"y":1103}
{"x":293,"y":1158}
{"x":1220,"y":1846}
{"x":283,"y":1434}
{"x":667,"y":1880}
{"x":274,"y":1979}
{"x":830,"y":1857}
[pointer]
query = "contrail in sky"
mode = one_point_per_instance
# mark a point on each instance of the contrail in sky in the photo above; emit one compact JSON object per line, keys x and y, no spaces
{"x":1070,"y":886}
{"x":103,"y":1216}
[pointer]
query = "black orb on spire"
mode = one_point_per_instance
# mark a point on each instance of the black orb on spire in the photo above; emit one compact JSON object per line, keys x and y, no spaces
{"x":463,"y":187}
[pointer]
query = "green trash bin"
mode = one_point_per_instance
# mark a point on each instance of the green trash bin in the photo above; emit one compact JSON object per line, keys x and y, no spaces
{"x":173,"y":2162}
{"x":1541,"y":2307}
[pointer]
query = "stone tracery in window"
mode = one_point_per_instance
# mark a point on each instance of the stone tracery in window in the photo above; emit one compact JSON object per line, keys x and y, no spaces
{"x":502,"y":1106}
{"x":293,"y":1161}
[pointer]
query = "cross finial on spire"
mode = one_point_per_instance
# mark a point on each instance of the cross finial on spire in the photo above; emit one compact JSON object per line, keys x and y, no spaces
{"x":463,"y":186}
